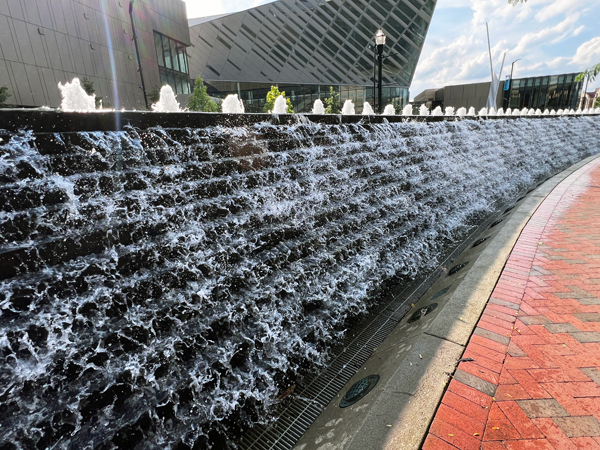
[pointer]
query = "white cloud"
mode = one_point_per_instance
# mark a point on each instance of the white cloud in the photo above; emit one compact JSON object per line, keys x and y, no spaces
{"x":549,"y":36}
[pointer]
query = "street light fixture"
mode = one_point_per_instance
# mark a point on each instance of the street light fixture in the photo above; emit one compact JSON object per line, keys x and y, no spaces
{"x":380,"y":38}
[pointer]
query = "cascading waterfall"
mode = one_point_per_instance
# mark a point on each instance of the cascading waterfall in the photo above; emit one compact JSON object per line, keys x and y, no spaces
{"x":158,"y":288}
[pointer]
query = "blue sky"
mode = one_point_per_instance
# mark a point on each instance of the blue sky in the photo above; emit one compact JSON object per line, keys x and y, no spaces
{"x":549,"y":36}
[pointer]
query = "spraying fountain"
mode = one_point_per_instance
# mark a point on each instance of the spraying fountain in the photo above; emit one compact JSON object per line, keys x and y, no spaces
{"x":232,"y":105}
{"x":75,"y":99}
{"x":318,"y":107}
{"x":280,"y":106}
{"x":167,"y":101}
{"x":348,"y":108}
{"x":368,"y":110}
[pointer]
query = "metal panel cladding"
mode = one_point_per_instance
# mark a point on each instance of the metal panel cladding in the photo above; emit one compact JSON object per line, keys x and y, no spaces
{"x":326,"y":42}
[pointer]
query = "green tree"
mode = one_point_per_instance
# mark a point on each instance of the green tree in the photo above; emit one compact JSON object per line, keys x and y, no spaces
{"x":272,"y":96}
{"x":4,"y":94}
{"x":154,"y":95}
{"x":88,"y":87}
{"x":332,"y":103}
{"x":200,"y":100}
{"x":597,"y":103}
{"x":590,"y":73}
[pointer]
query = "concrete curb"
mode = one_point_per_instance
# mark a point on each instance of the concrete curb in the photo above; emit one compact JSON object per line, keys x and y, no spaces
{"x":416,"y":363}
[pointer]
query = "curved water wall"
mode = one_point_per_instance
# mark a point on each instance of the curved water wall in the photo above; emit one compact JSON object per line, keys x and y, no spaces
{"x":159,"y":287}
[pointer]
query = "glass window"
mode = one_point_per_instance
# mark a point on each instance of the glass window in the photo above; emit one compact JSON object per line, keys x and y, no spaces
{"x":159,"y":50}
{"x":172,"y":63}
{"x":174,"y":58}
{"x":167,"y":52}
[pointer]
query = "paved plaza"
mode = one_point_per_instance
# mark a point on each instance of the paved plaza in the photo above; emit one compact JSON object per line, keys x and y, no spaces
{"x":530,"y":375}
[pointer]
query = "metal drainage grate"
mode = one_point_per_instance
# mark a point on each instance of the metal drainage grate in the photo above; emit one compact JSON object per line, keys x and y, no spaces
{"x":421,"y":312}
{"x":440,"y":293}
{"x":478,"y":242}
{"x":457,"y":268}
{"x":358,"y":390}
{"x":309,"y":400}
{"x":293,"y":417}
{"x":496,"y":222}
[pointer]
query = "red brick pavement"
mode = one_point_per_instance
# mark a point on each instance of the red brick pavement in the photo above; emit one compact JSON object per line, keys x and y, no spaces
{"x":534,"y":382}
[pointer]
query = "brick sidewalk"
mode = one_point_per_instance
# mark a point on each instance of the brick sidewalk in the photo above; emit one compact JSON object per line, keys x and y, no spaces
{"x":534,"y":382}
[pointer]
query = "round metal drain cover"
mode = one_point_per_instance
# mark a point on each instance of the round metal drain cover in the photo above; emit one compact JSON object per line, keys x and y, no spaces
{"x":421,"y":312}
{"x":358,"y":390}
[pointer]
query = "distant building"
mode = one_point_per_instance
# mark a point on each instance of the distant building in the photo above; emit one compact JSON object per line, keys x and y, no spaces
{"x":44,"y":42}
{"x":552,"y":92}
{"x":306,"y":46}
{"x":590,"y":98}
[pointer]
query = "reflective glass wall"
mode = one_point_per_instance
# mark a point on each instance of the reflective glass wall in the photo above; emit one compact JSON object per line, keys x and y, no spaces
{"x":552,"y":92}
{"x":303,"y":96}
{"x":172,"y":63}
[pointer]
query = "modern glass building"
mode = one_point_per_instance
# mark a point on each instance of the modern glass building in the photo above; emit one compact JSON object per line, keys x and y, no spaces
{"x":552,"y":92}
{"x":44,"y":42}
{"x":306,"y":46}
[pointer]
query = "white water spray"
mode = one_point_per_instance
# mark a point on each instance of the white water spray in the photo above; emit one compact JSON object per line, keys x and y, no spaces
{"x":471,"y":112}
{"x":423,"y":110}
{"x":462,"y":112}
{"x":232,"y":105}
{"x":407,"y":110}
{"x":348,"y":108}
{"x":389,"y":111}
{"x":318,"y":107}
{"x":437,"y":111}
{"x":483,"y":112}
{"x":368,"y":110}
{"x":168,"y":101}
{"x":74,"y":97}
{"x":449,"y":111}
{"x":280,"y":106}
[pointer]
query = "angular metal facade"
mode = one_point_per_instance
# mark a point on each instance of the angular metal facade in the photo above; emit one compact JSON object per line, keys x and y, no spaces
{"x":44,"y":42}
{"x":311,"y":42}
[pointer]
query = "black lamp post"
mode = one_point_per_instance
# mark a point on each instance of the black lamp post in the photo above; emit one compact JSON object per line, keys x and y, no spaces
{"x":137,"y":53}
{"x":380,"y":42}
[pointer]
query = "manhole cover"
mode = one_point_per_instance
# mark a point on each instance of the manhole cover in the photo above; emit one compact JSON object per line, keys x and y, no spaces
{"x":480,"y":241}
{"x":457,"y":268}
{"x":358,"y":390}
{"x":440,"y":293}
{"x":496,"y":223}
{"x":421,"y":312}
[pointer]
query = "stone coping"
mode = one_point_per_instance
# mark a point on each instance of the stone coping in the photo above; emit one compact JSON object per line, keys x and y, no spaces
{"x":51,"y":121}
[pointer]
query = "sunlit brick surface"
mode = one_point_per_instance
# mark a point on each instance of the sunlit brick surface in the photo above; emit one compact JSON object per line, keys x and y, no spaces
{"x":539,"y":363}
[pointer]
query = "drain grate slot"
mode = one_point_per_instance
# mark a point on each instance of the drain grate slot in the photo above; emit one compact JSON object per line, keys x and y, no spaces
{"x":509,"y":209}
{"x":496,"y":222}
{"x":478,"y":242}
{"x":440,"y":293}
{"x":457,"y":268}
